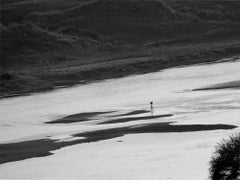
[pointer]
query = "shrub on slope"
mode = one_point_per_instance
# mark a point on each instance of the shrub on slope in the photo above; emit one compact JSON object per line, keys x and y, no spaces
{"x":225,"y":164}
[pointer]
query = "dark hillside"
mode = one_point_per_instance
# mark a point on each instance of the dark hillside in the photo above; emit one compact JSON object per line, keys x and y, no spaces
{"x":25,"y":44}
{"x":74,"y":41}
{"x":145,"y":21}
{"x":16,"y":10}
{"x":125,"y":10}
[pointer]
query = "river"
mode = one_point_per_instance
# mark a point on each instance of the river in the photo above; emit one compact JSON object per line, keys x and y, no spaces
{"x":172,"y":155}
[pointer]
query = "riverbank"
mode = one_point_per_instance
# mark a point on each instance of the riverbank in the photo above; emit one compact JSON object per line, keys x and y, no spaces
{"x":145,"y":59}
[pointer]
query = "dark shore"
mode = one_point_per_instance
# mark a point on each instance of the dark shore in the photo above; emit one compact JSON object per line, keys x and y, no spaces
{"x":39,"y":148}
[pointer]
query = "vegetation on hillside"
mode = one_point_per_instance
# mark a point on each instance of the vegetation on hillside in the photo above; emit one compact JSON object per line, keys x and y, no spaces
{"x":21,"y":41}
{"x":65,"y":35}
{"x":225,"y":164}
{"x":31,"y":28}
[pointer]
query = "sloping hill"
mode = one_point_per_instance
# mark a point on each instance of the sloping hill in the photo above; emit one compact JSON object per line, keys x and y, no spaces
{"x":47,"y":43}
{"x":137,"y":10}
{"x":23,"y":43}
{"x":42,"y":27}
{"x":16,"y":10}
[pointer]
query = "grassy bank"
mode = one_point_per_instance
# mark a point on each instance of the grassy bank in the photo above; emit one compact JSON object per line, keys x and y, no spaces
{"x":151,"y":59}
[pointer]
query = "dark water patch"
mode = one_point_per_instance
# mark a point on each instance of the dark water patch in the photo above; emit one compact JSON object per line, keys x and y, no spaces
{"x":227,"y":85}
{"x":132,"y":113}
{"x":148,"y":128}
{"x":43,"y":147}
{"x":121,"y":120}
{"x":28,"y":149}
{"x":81,"y":117}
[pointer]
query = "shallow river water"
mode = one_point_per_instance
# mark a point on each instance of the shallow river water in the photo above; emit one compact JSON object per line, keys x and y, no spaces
{"x":177,"y":156}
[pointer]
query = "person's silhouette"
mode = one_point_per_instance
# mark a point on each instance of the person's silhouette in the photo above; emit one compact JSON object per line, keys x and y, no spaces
{"x":151,"y":107}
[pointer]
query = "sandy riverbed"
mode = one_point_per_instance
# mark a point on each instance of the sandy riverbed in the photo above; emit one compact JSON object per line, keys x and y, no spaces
{"x":165,"y":155}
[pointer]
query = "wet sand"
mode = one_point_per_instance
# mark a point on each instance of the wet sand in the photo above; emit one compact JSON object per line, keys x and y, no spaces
{"x":43,"y":147}
{"x":132,"y":113}
{"x":81,"y":117}
{"x":128,"y":119}
{"x":227,"y":85}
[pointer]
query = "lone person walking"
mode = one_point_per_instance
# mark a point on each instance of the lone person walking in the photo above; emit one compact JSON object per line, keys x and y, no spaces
{"x":151,"y":107}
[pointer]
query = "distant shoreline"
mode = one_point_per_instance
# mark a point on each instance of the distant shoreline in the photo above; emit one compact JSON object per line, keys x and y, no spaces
{"x":177,"y":56}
